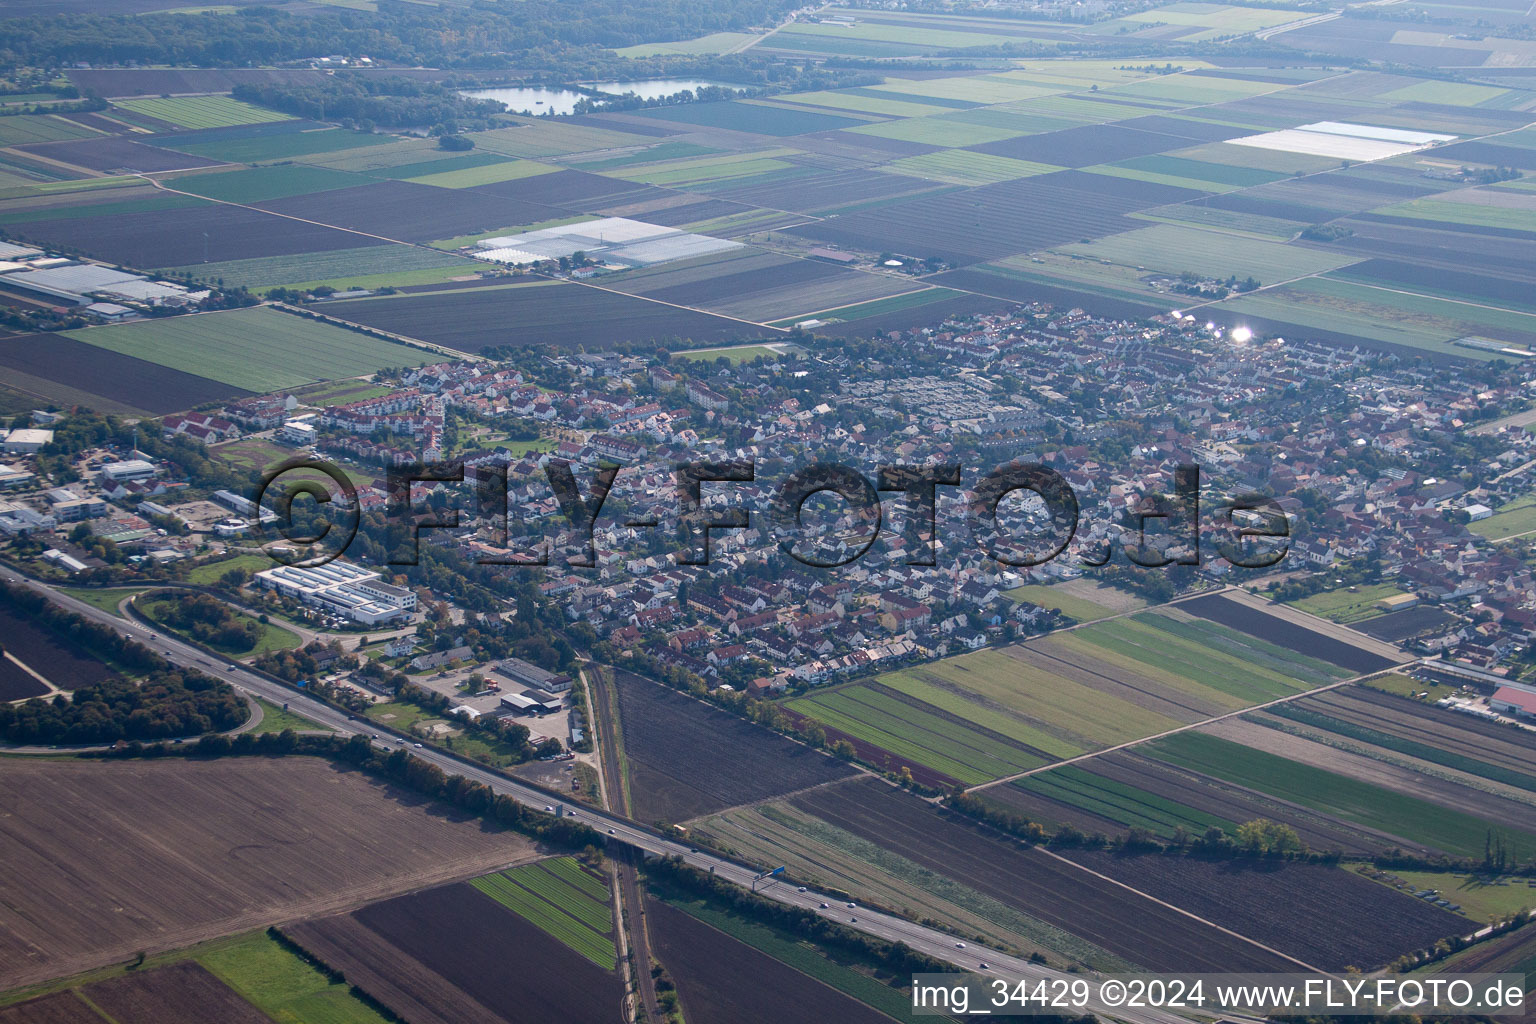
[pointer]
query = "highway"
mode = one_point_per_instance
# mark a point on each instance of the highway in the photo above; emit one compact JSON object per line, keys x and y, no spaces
{"x":923,"y":939}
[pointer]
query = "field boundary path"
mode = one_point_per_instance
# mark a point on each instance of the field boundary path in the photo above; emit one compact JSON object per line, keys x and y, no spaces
{"x":628,"y":897}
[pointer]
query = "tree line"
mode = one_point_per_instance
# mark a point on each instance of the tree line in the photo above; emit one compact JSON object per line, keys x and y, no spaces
{"x":163,"y":705}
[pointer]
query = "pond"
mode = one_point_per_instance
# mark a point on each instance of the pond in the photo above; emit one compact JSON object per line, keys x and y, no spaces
{"x":536,"y":100}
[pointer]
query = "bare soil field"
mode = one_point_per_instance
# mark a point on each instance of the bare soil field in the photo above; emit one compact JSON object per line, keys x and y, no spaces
{"x":183,"y":993}
{"x":62,"y":663}
{"x":1124,"y":923}
{"x":723,"y":981}
{"x":59,"y":1008}
{"x":176,"y":238}
{"x":186,"y":851}
{"x":1397,"y":626}
{"x":562,"y":315}
{"x":453,"y":955}
{"x":1327,"y":916}
{"x":16,"y":683}
{"x":112,"y":375}
{"x":410,"y":212}
{"x":1284,"y":628}
{"x":687,"y":759}
{"x":112,"y":154}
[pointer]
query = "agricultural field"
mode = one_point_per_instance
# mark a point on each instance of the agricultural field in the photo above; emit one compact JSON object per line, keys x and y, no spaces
{"x":1034,"y":881}
{"x":441,"y":957}
{"x":366,"y":267}
{"x":1350,"y":605}
{"x":1333,"y":918}
{"x":724,"y":979}
{"x":998,"y":713}
{"x":44,"y":654}
{"x":1428,"y":813}
{"x":837,"y":861}
{"x":60,"y":369}
{"x":562,"y":898}
{"x":256,"y":349}
{"x":1081,"y":599}
{"x":666,"y":735}
{"x":192,"y":850}
{"x":1514,"y":519}
{"x":202,"y":111}
{"x":543,"y":313}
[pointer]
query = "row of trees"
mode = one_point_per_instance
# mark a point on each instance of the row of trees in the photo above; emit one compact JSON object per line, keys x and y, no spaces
{"x":389,"y":101}
{"x":205,"y":619}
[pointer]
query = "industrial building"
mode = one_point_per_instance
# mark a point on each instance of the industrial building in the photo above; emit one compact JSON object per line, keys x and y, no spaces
{"x":341,"y":588}
{"x":27,"y":441}
{"x":127,"y":471}
{"x":614,"y":241}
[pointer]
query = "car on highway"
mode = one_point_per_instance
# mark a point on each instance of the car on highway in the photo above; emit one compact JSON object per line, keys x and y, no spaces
{"x":416,"y":745}
{"x":853,"y":920}
{"x":959,"y":945}
{"x":851,"y":906}
{"x":610,"y":832}
{"x":823,"y":906}
{"x":801,"y":889}
{"x":548,"y":808}
{"x":983,"y":965}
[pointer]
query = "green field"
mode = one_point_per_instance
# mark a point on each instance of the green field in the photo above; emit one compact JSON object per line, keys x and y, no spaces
{"x":368,"y":266}
{"x":563,"y":899}
{"x":202,"y":111}
{"x":106,"y":599}
{"x":960,"y":167}
{"x":207,"y":574}
{"x":992,"y":714}
{"x":25,"y":129}
{"x":710,"y":45}
{"x":1348,"y":605}
{"x":275,"y":719}
{"x":259,"y":184}
{"x":960,"y":751}
{"x":1171,"y":249}
{"x":283,"y":986}
{"x":258,"y":349}
{"x":1129,"y":805}
{"x":1482,"y":899}
{"x":737,"y":355}
{"x":1079,"y":608}
{"x":1363,"y":803}
{"x":1510,"y":520}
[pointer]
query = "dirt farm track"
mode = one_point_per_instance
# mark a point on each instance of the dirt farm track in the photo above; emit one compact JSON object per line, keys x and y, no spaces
{"x":102,"y":860}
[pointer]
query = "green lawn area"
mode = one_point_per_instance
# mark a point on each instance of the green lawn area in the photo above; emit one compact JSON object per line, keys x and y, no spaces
{"x":1129,"y":805}
{"x":272,"y":636}
{"x":484,"y":174}
{"x":1046,"y":596}
{"x":208,"y":573}
{"x":1481,"y":899}
{"x":283,"y":986}
{"x":1456,"y":832}
{"x":105,"y":599}
{"x":275,"y":719}
{"x":738,"y":355}
{"x":258,"y":348}
{"x":1344,"y":607}
{"x":1403,"y":686}
{"x":263,"y":148}
{"x":1517,"y":517}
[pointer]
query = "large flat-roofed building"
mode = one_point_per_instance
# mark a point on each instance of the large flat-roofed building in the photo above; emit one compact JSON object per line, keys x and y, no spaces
{"x":127,"y":471}
{"x":26,"y":441}
{"x":342,"y":588}
{"x":527,"y":674}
